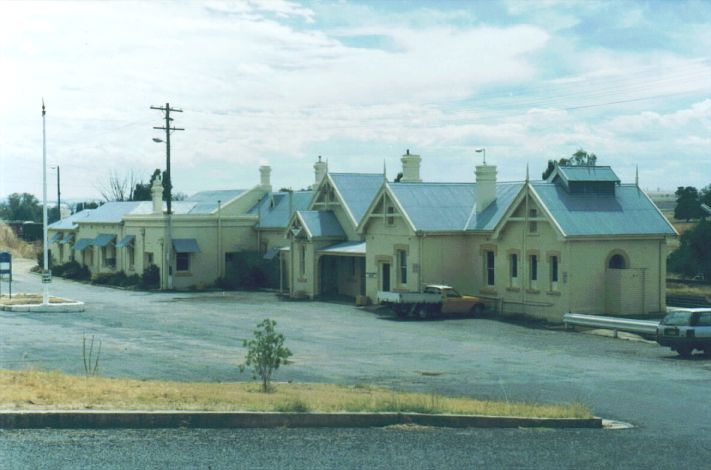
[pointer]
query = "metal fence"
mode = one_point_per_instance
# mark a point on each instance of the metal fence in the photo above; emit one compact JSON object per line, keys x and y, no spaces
{"x":644,"y":327}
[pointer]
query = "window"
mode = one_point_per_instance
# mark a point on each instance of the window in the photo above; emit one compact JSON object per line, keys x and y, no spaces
{"x":513,"y":269}
{"x":402,"y":265}
{"x":302,"y":260}
{"x":490,"y":268}
{"x":131,"y":256}
{"x":182,"y":262}
{"x":533,"y":266}
{"x":390,"y":219}
{"x":554,"y":272}
{"x":533,"y":225}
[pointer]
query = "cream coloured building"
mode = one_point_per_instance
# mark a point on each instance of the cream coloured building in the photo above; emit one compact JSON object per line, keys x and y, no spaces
{"x":580,"y":241}
{"x":208,"y":229}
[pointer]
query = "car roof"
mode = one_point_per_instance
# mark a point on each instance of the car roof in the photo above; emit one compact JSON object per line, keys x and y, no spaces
{"x":439,"y":286}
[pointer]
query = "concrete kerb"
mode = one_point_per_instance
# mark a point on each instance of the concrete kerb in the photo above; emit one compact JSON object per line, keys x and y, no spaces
{"x":64,"y":307}
{"x":96,"y":419}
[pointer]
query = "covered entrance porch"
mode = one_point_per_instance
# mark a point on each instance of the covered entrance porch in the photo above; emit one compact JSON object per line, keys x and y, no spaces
{"x":341,"y":270}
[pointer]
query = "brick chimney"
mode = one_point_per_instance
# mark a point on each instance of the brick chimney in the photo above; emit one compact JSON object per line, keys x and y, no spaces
{"x":320,"y":170}
{"x":265,"y":172}
{"x":410,"y":168}
{"x":157,"y":195}
{"x":485,"y":190}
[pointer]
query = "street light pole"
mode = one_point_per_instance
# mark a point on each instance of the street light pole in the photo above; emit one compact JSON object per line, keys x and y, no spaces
{"x":168,"y":186}
{"x":45,"y":268}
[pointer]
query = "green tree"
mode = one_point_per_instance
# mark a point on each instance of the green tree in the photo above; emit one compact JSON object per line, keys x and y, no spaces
{"x":21,"y":207}
{"x":265,"y":353}
{"x":694,"y":253}
{"x":688,"y":204}
{"x":579,"y":158}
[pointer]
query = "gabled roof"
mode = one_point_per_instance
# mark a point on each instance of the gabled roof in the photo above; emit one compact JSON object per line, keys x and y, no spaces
{"x":626,"y":212}
{"x":356,"y":190}
{"x":321,"y":224}
{"x":445,"y":207}
{"x":273,"y":209}
{"x":70,"y":222}
{"x":205,"y":202}
{"x":584,"y":173}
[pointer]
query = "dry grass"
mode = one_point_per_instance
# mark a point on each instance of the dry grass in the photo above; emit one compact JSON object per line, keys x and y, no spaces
{"x":34,"y":389}
{"x":17,"y":247}
{"x":28,"y":299}
{"x":674,"y":288}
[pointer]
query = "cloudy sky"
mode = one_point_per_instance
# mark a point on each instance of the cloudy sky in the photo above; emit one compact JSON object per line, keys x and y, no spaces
{"x":278,"y":82}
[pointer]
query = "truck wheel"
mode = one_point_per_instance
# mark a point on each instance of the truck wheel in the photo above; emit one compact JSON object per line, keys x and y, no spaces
{"x":423,"y":313}
{"x":477,"y":310}
{"x":684,"y":351}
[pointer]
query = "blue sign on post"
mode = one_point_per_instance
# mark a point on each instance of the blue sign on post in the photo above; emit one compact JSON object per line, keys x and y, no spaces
{"x":6,"y":269}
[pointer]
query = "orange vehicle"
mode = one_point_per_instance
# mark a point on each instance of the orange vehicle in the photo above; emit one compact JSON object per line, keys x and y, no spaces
{"x":435,"y":299}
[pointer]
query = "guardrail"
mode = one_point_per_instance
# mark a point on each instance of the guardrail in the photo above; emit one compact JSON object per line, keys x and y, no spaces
{"x":645,"y":327}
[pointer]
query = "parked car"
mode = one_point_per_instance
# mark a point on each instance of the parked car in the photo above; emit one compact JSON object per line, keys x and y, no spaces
{"x":435,"y":299}
{"x":684,"y":330}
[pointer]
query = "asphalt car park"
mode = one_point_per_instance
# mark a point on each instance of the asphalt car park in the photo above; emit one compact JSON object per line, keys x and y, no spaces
{"x":198,"y":337}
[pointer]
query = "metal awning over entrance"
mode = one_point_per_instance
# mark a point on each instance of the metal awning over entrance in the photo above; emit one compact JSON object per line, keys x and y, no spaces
{"x":344,"y":249}
{"x":272,"y":252}
{"x":125,"y":241}
{"x":186,"y":245}
{"x":83,"y":243}
{"x":68,"y":238}
{"x":104,"y":239}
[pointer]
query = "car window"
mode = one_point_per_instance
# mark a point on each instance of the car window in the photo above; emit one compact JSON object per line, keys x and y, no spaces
{"x":704,"y":319}
{"x":431,"y":290}
{"x":452,"y":293}
{"x":677,"y":319}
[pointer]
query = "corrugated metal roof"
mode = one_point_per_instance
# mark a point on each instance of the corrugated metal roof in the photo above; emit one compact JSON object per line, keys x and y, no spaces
{"x":322,"y":224}
{"x":273,"y":208}
{"x":357,"y":190}
{"x":70,"y":223}
{"x":627,"y":212}
{"x":223,"y":195}
{"x":111,"y":212}
{"x":345,"y":248}
{"x":443,"y":207}
{"x":588,"y":173}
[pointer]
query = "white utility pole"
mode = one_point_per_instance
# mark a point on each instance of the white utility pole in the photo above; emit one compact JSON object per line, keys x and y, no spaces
{"x":46,"y":277}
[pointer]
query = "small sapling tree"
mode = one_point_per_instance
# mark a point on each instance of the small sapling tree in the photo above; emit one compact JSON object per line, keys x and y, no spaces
{"x":265,"y":352}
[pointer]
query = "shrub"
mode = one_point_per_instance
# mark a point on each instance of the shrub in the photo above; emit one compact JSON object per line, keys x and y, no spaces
{"x":265,"y":353}
{"x":72,"y":270}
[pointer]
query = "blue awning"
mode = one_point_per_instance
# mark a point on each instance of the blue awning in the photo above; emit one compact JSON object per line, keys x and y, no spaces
{"x":272,"y":252}
{"x":68,"y":238}
{"x":56,"y":237}
{"x":104,"y":239}
{"x":185,"y":245}
{"x":125,"y":241}
{"x":83,"y":243}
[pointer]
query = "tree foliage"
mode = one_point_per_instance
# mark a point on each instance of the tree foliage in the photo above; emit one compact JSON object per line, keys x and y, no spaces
{"x":693,"y":256}
{"x":688,"y":203}
{"x":265,"y":353}
{"x":579,"y":158}
{"x":23,"y":206}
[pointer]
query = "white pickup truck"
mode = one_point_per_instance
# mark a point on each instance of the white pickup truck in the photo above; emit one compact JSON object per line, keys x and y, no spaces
{"x":435,"y":299}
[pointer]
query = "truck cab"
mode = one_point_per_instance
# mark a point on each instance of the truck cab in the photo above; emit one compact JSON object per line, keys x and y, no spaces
{"x":455,"y":303}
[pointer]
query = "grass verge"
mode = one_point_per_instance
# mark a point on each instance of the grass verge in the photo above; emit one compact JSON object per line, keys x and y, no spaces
{"x":28,"y":299}
{"x":43,"y":390}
